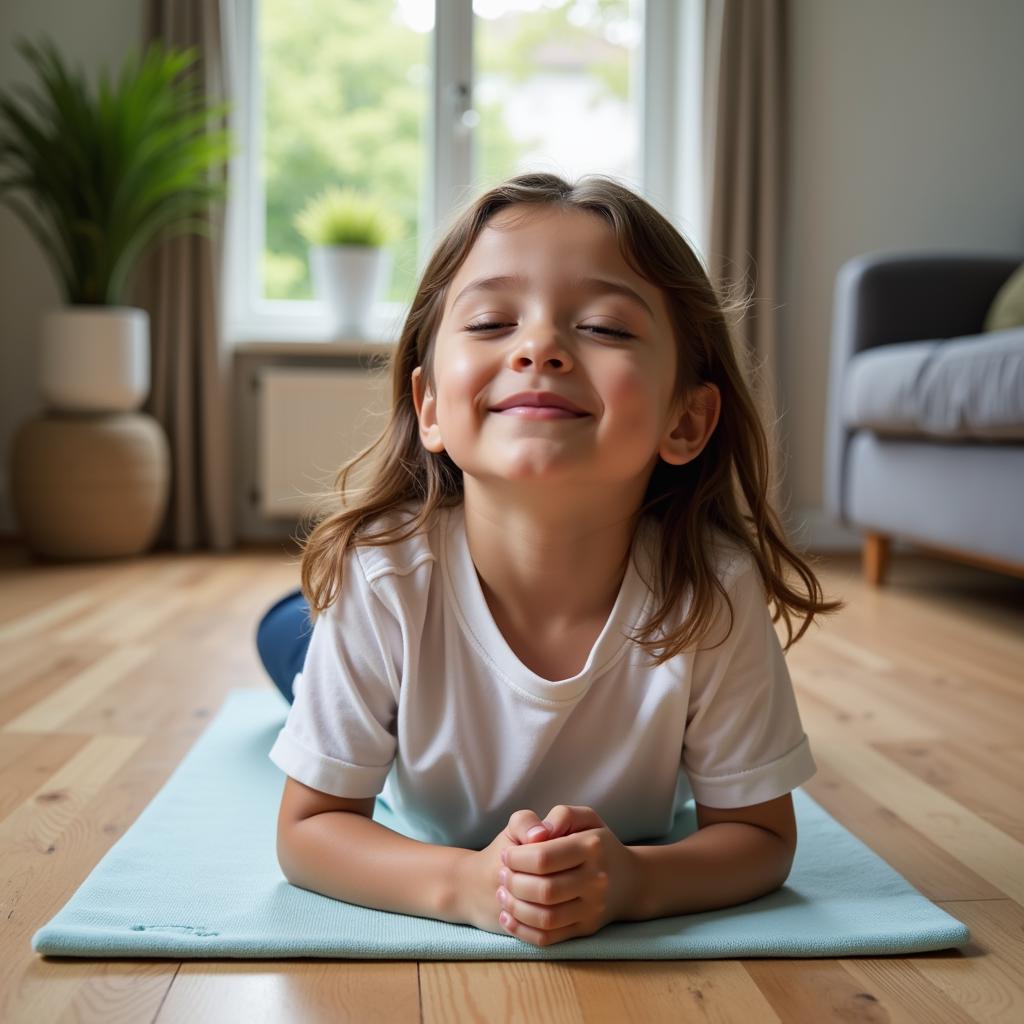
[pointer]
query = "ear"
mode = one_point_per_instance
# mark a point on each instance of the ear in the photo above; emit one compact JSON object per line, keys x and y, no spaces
{"x":692,"y":428}
{"x":426,"y":412}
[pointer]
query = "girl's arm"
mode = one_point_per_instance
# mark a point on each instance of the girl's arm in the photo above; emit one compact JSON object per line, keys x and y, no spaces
{"x":347,"y":856}
{"x":736,"y":855}
{"x":330,"y":845}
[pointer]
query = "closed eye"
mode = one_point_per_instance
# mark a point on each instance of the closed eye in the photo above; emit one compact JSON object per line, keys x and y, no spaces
{"x":610,"y":331}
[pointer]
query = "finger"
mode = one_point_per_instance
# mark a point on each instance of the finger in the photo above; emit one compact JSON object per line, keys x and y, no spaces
{"x":544,"y":918}
{"x":546,"y":889}
{"x":565,"y":819}
{"x":536,"y":936}
{"x":521,"y":824}
{"x":555,"y":855}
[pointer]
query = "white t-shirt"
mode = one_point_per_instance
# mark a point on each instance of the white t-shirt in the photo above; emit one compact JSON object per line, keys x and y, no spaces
{"x":409,"y":690}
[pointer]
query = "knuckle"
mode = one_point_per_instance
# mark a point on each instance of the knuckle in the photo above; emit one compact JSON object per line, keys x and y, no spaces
{"x":591,"y":843}
{"x":546,"y":919}
{"x":601,"y":880}
{"x":547,"y":891}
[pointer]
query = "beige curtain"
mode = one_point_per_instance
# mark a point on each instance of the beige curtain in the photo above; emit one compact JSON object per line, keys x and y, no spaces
{"x":180,"y":285}
{"x":744,"y":103}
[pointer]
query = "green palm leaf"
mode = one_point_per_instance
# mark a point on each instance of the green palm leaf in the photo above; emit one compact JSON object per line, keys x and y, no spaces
{"x":110,"y":171}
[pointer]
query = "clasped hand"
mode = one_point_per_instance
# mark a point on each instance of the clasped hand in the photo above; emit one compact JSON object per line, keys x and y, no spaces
{"x":551,"y":880}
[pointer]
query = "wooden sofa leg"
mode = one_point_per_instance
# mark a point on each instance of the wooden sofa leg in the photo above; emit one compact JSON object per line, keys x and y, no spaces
{"x":875,"y":558}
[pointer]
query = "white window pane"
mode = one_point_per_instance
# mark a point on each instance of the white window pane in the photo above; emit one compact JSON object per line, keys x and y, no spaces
{"x":555,"y":88}
{"x":346,"y":93}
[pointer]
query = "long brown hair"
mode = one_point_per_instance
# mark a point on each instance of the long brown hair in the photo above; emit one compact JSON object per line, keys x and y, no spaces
{"x":725,"y":490}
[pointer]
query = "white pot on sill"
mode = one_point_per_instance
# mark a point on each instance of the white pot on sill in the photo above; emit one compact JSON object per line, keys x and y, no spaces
{"x":350,"y":279}
{"x":95,"y":358}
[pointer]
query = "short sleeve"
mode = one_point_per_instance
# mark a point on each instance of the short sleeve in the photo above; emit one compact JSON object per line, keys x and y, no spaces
{"x":744,"y":742}
{"x":339,"y":736}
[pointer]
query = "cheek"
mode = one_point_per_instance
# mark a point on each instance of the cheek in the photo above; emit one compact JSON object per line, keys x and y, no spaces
{"x":633,"y":396}
{"x":463,"y":381}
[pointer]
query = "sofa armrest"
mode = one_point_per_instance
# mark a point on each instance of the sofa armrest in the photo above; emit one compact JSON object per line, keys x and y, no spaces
{"x":886,"y":297}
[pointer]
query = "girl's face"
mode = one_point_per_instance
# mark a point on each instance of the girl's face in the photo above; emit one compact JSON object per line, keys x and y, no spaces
{"x":569,"y":317}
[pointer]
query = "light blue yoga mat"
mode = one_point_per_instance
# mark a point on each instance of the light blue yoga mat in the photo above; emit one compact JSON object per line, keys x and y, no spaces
{"x":197,"y":876}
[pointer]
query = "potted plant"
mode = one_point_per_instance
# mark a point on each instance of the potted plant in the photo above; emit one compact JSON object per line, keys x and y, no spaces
{"x":347,"y":233}
{"x":108,"y":172}
{"x":97,"y":175}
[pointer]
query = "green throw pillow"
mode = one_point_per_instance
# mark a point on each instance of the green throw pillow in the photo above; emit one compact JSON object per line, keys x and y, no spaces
{"x":1007,"y":309}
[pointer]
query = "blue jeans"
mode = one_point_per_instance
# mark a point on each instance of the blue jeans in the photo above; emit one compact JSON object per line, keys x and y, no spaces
{"x":282,"y":638}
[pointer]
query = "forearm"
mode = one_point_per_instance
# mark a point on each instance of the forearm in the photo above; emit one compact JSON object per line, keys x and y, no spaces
{"x":717,"y":866}
{"x":349,"y":857}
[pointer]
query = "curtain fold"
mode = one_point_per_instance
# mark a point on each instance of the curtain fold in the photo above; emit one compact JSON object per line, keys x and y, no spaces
{"x":744,"y":147}
{"x":179,"y":284}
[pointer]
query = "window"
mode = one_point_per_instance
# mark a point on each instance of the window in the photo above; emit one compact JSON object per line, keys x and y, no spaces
{"x":422,"y":104}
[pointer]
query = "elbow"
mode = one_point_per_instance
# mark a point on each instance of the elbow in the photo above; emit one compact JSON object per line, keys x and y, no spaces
{"x":783,"y":863}
{"x":284,"y":860}
{"x":300,"y":855}
{"x":781,"y":877}
{"x":286,"y":856}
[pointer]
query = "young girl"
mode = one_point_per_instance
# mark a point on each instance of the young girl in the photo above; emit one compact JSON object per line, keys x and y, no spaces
{"x":545,"y":621}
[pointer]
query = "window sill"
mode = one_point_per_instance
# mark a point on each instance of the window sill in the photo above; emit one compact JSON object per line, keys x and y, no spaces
{"x":285,"y":346}
{"x":289,"y":326}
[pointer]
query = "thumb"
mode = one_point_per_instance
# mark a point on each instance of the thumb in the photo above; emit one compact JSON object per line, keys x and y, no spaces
{"x":562,"y":820}
{"x":526,"y":827}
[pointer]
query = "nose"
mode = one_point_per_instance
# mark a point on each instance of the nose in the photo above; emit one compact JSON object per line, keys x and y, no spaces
{"x":540,"y":347}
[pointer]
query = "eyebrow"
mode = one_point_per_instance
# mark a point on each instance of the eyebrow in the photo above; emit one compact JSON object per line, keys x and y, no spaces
{"x":600,"y":285}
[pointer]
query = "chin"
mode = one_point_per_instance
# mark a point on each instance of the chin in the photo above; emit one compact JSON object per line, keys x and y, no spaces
{"x":524,"y":471}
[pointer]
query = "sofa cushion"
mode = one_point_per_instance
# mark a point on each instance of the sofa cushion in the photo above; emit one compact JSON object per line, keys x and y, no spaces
{"x":1007,"y":309}
{"x":958,"y":388}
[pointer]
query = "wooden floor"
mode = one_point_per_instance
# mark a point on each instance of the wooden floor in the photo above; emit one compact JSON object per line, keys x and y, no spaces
{"x":913,"y":698}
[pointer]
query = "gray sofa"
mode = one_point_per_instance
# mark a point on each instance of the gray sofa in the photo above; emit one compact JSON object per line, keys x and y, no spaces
{"x":925,"y":418}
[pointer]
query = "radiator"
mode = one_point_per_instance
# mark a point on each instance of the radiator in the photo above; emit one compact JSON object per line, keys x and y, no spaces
{"x":310,"y":422}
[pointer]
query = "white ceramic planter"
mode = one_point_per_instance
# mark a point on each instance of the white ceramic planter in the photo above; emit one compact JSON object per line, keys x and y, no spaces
{"x":95,"y":358}
{"x":350,"y":279}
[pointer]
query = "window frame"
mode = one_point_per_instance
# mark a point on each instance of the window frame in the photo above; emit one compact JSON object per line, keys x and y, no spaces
{"x":668,"y":65}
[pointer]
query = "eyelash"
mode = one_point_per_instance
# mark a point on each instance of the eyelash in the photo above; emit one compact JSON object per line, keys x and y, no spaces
{"x":609,"y":331}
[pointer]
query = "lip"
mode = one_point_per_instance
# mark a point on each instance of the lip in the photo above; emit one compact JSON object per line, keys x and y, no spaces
{"x":539,"y":400}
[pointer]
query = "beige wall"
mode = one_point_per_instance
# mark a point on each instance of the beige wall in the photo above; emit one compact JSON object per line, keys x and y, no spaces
{"x":906,"y":131}
{"x":88,"y":33}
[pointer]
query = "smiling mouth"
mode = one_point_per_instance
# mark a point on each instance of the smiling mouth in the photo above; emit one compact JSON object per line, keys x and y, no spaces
{"x":540,"y":412}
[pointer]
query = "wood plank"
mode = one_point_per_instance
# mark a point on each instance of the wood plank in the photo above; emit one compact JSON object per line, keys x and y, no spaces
{"x":81,"y":690}
{"x":36,"y":836}
{"x":841,"y":990}
{"x":595,"y":992}
{"x":846,"y":650}
{"x":44,"y":818}
{"x":981,"y":778}
{"x":669,"y":991}
{"x":513,"y":990}
{"x":928,"y":636}
{"x":41,"y":881}
{"x":987,"y":979}
{"x":27,"y":760}
{"x":945,"y":702}
{"x":822,"y":697}
{"x":64,"y":989}
{"x":357,"y":991}
{"x":931,"y":869}
{"x":42,"y":670}
{"x":982,"y":847}
{"x":107,"y":619}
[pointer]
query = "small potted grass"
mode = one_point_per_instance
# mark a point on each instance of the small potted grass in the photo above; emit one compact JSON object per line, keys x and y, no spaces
{"x":348,"y":233}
